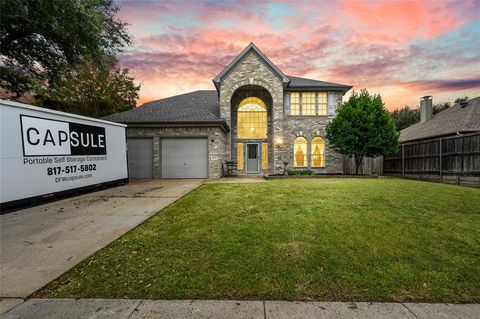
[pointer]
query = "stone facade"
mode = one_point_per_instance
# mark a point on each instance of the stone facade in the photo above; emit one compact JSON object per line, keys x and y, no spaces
{"x":216,"y":144}
{"x":310,"y":127}
{"x":252,"y":72}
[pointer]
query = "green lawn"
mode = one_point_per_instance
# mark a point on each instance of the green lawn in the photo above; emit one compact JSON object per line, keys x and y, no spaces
{"x":298,"y":239}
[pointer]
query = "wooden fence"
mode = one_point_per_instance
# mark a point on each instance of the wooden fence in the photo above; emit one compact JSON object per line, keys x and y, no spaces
{"x":370,"y":166}
{"x":453,"y":159}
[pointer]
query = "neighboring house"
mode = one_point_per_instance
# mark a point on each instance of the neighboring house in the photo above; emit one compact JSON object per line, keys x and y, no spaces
{"x":257,"y":116}
{"x":461,"y":118}
{"x":444,"y":146}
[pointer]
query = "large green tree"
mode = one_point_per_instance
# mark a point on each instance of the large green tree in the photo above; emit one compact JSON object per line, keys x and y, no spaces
{"x":41,"y":39}
{"x":405,"y":117}
{"x":92,"y":90}
{"x":363,"y":127}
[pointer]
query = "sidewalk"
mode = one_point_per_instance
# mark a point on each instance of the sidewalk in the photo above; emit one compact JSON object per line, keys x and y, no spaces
{"x":198,"y":309}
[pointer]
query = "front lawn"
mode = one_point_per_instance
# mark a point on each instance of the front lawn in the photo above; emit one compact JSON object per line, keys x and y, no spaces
{"x":297,"y":239}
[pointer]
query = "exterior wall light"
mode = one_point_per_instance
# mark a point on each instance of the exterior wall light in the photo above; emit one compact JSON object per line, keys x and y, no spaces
{"x":279,"y":140}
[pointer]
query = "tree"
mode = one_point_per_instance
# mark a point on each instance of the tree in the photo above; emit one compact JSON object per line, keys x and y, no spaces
{"x":439,"y":107}
{"x":459,"y":100}
{"x":363,"y":127}
{"x":405,"y":117}
{"x":42,"y":39}
{"x":92,"y":90}
{"x":408,"y":116}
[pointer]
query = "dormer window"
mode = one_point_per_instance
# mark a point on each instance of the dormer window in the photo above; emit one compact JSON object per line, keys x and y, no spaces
{"x":308,"y":103}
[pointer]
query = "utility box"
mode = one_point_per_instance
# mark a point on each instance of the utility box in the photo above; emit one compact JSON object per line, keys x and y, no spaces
{"x":45,"y":153}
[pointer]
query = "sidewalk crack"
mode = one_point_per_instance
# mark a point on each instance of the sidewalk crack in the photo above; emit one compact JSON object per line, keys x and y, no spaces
{"x":135,"y":309}
{"x":409,"y":310}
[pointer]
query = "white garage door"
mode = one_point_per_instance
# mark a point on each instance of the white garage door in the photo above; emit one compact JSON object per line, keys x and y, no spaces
{"x":140,"y":157}
{"x":184,"y":158}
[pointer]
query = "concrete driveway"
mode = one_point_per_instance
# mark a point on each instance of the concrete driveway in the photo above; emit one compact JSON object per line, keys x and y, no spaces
{"x":38,"y":244}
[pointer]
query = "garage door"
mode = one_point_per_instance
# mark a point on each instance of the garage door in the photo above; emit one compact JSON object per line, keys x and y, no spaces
{"x":184,"y":158}
{"x":140,"y":157}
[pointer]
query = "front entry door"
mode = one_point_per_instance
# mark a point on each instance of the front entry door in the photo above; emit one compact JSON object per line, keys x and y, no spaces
{"x":252,"y":157}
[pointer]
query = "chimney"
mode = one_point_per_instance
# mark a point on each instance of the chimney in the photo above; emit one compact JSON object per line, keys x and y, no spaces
{"x":426,"y":111}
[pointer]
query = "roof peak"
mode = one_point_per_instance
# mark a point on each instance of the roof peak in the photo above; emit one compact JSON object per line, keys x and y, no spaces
{"x":239,"y":58}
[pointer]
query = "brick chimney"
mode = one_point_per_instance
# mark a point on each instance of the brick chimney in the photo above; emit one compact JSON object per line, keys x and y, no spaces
{"x":426,"y":111}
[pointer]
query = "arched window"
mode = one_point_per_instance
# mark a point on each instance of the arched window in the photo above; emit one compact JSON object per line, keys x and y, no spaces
{"x":300,"y":152}
{"x":318,"y":152}
{"x":252,"y":118}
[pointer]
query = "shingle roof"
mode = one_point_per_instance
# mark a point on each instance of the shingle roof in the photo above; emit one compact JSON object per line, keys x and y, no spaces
{"x":455,"y":119}
{"x":194,"y":107}
{"x":297,"y":82}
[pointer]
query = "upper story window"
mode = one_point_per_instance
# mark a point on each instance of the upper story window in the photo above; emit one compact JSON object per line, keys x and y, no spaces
{"x":295,"y":103}
{"x":308,"y":103}
{"x":322,"y":103}
{"x":252,"y":119}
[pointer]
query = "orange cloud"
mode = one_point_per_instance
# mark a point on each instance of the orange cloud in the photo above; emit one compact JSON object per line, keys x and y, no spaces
{"x":383,"y":46}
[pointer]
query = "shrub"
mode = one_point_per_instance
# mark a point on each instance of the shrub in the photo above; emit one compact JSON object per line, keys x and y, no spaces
{"x":292,"y":171}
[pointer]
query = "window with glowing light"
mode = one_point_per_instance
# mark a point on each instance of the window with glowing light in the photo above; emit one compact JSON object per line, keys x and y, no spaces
{"x":295,"y":103}
{"x":322,"y":103}
{"x":317,"y":155}
{"x":264,"y":155}
{"x":252,"y":119}
{"x":308,"y":103}
{"x":240,"y":156}
{"x":300,"y":152}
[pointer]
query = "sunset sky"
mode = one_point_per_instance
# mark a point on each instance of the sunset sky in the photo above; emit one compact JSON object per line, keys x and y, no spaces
{"x":402,"y":50}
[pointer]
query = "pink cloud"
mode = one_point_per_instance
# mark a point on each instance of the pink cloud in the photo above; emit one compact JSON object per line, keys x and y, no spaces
{"x":386,"y":46}
{"x":404,"y":19}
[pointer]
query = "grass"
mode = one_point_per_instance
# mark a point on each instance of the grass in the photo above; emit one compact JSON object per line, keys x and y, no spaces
{"x":315,"y":239}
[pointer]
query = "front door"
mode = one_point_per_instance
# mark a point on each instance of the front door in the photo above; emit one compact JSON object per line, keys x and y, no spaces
{"x":252,"y":157}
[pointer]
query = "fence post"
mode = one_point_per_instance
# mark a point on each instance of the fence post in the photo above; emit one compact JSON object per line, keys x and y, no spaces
{"x":440,"y":153}
{"x":403,"y":159}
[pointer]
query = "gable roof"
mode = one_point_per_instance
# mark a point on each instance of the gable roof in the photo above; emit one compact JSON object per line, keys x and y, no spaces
{"x":457,"y":119}
{"x":198,"y":107}
{"x":303,"y":83}
{"x":250,"y":48}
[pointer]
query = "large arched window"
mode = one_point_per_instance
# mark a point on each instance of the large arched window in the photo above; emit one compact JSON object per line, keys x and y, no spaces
{"x":300,"y":152}
{"x":318,"y":152}
{"x":252,"y":119}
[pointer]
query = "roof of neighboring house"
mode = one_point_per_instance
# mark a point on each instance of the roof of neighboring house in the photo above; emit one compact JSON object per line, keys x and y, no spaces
{"x":199,"y":107}
{"x":457,"y":119}
{"x":297,"y":82}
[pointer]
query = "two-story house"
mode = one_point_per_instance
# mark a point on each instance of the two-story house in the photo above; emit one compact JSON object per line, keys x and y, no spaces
{"x":257,"y":116}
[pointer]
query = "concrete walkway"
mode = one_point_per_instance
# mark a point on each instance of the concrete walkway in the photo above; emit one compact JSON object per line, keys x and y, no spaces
{"x":38,"y":244}
{"x":199,"y":309}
